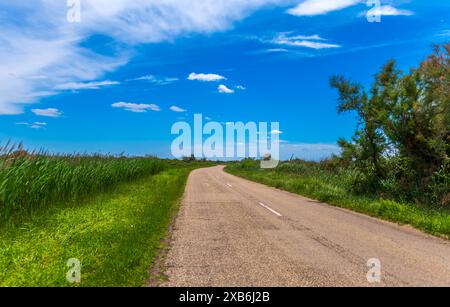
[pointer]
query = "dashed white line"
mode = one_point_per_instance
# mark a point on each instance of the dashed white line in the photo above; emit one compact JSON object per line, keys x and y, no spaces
{"x":270,"y":209}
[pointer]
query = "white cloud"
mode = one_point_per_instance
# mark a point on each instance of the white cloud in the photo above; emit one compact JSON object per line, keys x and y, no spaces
{"x":445,"y":33}
{"x":50,"y":112}
{"x":276,"y":132}
{"x":224,"y":89}
{"x":320,"y":7}
{"x":136,"y":108}
{"x":313,"y":41}
{"x":275,"y":50}
{"x":314,"y":37}
{"x":241,"y":87}
{"x":36,"y":126}
{"x":388,"y":10}
{"x":177,"y":109}
{"x":74,"y":86}
{"x":205,"y":77}
{"x":156,"y":80}
{"x":64,"y":59}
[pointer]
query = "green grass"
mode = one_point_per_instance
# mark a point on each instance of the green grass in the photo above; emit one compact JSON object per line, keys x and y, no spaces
{"x":115,"y":235}
{"x":330,"y":188}
{"x":33,"y":183}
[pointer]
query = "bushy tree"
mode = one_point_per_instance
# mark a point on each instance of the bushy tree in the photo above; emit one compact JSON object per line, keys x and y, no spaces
{"x":405,"y":117}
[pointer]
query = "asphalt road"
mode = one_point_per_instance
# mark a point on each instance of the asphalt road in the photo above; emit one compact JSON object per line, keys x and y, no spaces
{"x":233,"y":232}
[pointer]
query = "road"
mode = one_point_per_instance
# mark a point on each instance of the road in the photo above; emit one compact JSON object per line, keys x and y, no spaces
{"x":233,"y":232}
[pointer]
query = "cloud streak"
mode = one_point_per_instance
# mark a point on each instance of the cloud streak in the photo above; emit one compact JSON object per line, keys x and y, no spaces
{"x":156,"y":80}
{"x":66,"y":61}
{"x":74,"y":86}
{"x":50,"y":112}
{"x":313,"y":42}
{"x":205,"y":77}
{"x":388,"y":10}
{"x":136,"y":108}
{"x":177,"y":109}
{"x":320,"y":7}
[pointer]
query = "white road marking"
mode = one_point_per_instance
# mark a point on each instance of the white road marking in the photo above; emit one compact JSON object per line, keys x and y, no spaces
{"x":270,"y":209}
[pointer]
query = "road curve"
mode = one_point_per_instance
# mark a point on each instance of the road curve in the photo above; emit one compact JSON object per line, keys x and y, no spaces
{"x":233,"y":232}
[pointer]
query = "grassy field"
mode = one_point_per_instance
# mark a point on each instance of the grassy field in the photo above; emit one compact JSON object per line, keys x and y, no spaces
{"x":331,"y":187}
{"x":33,"y":183}
{"x":110,"y":213}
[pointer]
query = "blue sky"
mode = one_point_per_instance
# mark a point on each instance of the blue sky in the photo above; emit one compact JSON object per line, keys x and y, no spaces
{"x":119,"y":79}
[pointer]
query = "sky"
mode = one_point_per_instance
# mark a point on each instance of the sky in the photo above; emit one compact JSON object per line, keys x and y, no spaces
{"x":117,"y":80}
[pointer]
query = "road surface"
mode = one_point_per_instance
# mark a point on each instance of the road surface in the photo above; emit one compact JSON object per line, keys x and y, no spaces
{"x":233,"y":232}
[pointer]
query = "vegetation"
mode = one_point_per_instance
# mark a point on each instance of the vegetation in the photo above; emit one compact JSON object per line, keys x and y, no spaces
{"x":333,"y":186}
{"x":109,"y":212}
{"x":401,"y":147}
{"x":115,"y":235}
{"x":397,"y":165}
{"x":33,"y":182}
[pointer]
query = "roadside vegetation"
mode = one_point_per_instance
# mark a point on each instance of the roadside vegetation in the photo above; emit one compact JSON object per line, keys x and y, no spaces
{"x":31,"y":183}
{"x":111,"y":213}
{"x":397,"y":165}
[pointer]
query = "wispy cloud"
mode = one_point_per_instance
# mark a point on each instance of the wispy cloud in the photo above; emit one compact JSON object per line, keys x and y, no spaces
{"x":66,"y":60}
{"x":224,"y":89}
{"x":314,"y":41}
{"x":275,"y":50}
{"x":50,"y":112}
{"x":136,"y":108}
{"x":177,"y":109}
{"x":388,"y":10}
{"x":156,"y":80}
{"x":35,"y":125}
{"x":205,"y":77}
{"x":75,"y":86}
{"x":320,"y":7}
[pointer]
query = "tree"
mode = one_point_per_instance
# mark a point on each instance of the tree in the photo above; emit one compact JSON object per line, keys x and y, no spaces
{"x":415,"y":110}
{"x":404,"y":117}
{"x":369,"y":142}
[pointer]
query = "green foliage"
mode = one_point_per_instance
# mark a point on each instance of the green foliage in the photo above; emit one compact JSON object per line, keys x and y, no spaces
{"x":115,"y":235}
{"x":31,"y":183}
{"x":333,"y":187}
{"x":248,"y":164}
{"x":402,"y":142}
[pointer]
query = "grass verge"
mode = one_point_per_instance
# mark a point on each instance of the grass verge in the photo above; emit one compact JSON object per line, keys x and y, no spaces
{"x":428,"y":220}
{"x":115,"y":236}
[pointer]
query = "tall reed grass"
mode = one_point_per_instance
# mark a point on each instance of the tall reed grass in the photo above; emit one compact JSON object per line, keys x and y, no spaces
{"x":32,"y":182}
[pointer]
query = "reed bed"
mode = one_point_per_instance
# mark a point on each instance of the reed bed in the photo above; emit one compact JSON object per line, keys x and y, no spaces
{"x":36,"y":181}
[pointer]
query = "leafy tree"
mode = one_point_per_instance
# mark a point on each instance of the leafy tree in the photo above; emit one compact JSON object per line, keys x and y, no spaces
{"x":403,"y":120}
{"x":369,"y":142}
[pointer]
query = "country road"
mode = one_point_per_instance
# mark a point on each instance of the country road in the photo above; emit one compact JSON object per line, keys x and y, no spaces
{"x":233,"y":232}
